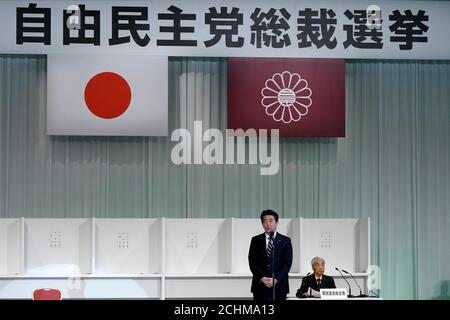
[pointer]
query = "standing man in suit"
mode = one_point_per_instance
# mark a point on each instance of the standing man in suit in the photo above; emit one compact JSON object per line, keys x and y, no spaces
{"x":270,"y":259}
{"x":317,"y":280}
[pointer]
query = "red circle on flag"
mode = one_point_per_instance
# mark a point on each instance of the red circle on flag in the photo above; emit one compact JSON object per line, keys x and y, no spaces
{"x":107,"y":95}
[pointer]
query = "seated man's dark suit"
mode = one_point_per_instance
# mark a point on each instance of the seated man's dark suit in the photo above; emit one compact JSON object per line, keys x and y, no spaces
{"x":310,"y":282}
{"x":259,"y":266}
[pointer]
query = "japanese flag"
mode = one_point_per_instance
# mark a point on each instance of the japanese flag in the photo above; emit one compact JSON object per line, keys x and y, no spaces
{"x":107,"y":95}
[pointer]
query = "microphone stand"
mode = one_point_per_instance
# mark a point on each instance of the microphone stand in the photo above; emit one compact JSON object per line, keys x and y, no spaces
{"x":309,"y":286}
{"x":349,"y":287}
{"x":361,"y":295}
{"x":273,"y":266}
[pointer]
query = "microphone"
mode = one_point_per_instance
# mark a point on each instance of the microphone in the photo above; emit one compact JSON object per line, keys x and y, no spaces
{"x":360,"y":290}
{"x":271,"y":234}
{"x":303,"y":285}
{"x":349,"y":287}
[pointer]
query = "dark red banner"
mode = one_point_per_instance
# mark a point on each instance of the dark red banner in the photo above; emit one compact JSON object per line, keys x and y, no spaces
{"x":300,"y":97}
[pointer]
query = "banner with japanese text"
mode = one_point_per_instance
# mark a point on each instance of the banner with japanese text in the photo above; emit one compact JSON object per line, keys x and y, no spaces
{"x":308,"y":29}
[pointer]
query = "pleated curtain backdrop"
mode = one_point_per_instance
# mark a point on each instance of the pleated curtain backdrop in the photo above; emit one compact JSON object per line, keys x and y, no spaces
{"x":392,"y":166}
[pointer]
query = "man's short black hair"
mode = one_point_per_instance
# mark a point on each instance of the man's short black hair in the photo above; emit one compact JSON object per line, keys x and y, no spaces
{"x":269,"y":212}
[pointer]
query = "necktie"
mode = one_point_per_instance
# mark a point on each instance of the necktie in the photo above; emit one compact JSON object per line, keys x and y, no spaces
{"x":269,"y":249}
{"x":318,"y":283}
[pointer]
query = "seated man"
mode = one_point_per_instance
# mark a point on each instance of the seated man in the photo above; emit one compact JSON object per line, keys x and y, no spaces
{"x":317,"y":280}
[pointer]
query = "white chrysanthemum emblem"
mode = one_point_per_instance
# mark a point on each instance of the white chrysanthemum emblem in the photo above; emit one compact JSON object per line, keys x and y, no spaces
{"x":286,"y":97}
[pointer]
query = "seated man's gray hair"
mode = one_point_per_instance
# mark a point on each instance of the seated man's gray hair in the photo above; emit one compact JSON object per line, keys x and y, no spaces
{"x":316,"y":259}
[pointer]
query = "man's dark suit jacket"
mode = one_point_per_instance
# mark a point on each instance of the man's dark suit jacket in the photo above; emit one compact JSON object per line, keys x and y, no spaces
{"x":310,"y":282}
{"x":258,"y":264}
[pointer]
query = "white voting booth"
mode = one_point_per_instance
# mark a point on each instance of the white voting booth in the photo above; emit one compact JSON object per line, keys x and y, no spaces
{"x":166,"y":258}
{"x":11,"y":248}
{"x":343,"y":243}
